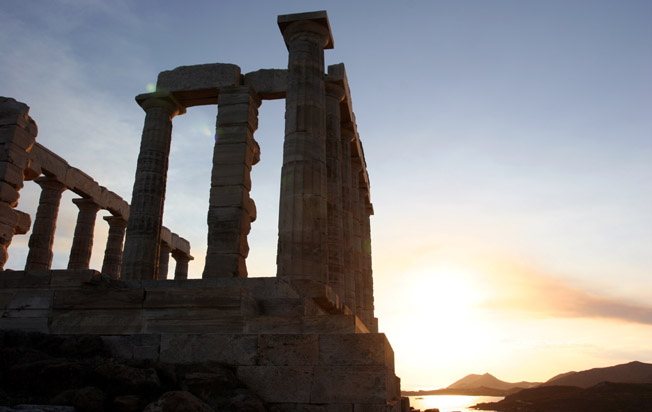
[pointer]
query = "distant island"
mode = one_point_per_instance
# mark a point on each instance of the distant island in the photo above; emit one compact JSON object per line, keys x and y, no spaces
{"x":626,"y":387}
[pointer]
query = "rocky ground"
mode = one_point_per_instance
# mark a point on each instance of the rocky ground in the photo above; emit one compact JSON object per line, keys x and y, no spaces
{"x":79,"y":373}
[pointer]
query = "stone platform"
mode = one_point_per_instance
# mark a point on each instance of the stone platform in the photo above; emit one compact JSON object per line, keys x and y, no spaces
{"x":287,"y":348}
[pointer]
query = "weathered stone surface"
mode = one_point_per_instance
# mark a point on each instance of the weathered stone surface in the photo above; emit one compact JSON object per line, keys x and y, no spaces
{"x":199,"y":77}
{"x":232,"y":349}
{"x":333,"y":384}
{"x":13,"y":112}
{"x":288,"y":350}
{"x":355,"y":349}
{"x":269,"y":84}
{"x":278,"y":383}
{"x":304,"y":324}
{"x":97,"y":322}
{"x":178,"y":401}
{"x":29,"y":303}
{"x":99,"y":299}
{"x":141,"y":346}
{"x":71,"y":278}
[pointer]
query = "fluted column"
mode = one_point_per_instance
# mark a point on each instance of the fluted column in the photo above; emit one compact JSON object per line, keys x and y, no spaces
{"x":356,"y":235}
{"x":141,"y":250}
{"x":181,"y":268}
{"x":82,"y":242}
{"x":302,"y":251}
{"x":367,"y":271}
{"x":347,"y":135}
{"x":45,"y":223}
{"x":231,"y":210}
{"x":164,"y":261}
{"x":113,"y":251}
{"x":334,"y":96}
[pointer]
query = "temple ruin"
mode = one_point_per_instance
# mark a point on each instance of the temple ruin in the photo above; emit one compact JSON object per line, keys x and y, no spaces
{"x":305,"y":337}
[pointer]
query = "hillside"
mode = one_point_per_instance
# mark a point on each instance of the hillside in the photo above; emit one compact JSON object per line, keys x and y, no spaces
{"x":633,"y":372}
{"x":604,"y":397}
{"x":488,"y":381}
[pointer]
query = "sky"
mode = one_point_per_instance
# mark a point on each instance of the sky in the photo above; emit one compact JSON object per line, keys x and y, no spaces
{"x":508,"y":145}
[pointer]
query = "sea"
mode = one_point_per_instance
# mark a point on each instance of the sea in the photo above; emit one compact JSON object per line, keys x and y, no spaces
{"x":450,"y":403}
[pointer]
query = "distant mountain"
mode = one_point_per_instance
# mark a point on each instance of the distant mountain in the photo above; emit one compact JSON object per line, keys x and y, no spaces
{"x":488,"y":381}
{"x":633,"y":372}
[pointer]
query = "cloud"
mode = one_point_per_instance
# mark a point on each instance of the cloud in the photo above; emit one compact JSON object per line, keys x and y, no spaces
{"x":531,"y":291}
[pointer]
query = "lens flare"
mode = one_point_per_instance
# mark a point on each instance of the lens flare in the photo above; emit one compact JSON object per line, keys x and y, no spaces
{"x":151,"y":87}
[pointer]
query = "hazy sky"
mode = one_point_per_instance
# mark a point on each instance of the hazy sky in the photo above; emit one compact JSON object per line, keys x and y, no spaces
{"x":508,"y":146}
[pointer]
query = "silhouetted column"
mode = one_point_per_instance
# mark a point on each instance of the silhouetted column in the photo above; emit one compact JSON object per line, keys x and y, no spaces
{"x":356,"y":233}
{"x":347,"y":135}
{"x":231,"y":210}
{"x":113,"y":251}
{"x":82,"y":242}
{"x":164,"y":261}
{"x":17,"y":136}
{"x":181,"y":268}
{"x":367,"y":272}
{"x":334,"y":96}
{"x":45,"y":223}
{"x":302,"y":251}
{"x":141,"y":250}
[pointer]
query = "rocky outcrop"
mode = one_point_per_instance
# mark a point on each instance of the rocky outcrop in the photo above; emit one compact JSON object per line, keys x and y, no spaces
{"x":44,"y":371}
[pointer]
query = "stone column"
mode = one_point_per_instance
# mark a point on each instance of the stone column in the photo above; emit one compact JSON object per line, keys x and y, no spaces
{"x":356,"y":234}
{"x":141,"y":250}
{"x":334,"y":96}
{"x":367,"y":272}
{"x":82,"y":242}
{"x":347,"y":135}
{"x":181,"y":269}
{"x":164,"y":261}
{"x":113,"y":251}
{"x":45,"y":223}
{"x":302,"y":239}
{"x":17,"y":136}
{"x":231,"y":210}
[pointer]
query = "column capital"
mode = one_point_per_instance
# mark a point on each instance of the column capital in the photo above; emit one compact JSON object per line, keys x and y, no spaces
{"x":163,"y":100}
{"x":84,"y":203}
{"x":315,"y":23}
{"x":335,"y":91}
{"x":347,"y":131}
{"x":116,"y":221}
{"x":181,"y":256}
{"x":50,"y":182}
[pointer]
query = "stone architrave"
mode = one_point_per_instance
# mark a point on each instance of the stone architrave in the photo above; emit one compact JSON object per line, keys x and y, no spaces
{"x":45,"y":223}
{"x":356,"y":234}
{"x":334,"y":96}
{"x":164,"y":261}
{"x":231,"y":210}
{"x":113,"y":251}
{"x":142,"y":242}
{"x":82,"y":242}
{"x":347,"y":136}
{"x":181,"y":268}
{"x":17,"y":136}
{"x":303,"y":201}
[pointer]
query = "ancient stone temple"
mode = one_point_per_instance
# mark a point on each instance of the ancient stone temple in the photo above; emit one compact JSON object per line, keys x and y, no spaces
{"x":305,"y":338}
